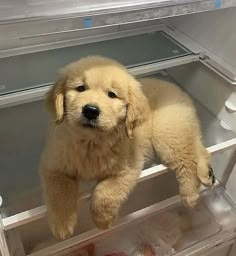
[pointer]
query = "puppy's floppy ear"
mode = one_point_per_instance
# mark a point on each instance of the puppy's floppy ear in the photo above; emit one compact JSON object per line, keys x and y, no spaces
{"x":137,"y":109}
{"x":55,"y":99}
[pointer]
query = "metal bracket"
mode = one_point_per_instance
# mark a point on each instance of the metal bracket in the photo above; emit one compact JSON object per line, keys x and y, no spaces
{"x":208,"y":62}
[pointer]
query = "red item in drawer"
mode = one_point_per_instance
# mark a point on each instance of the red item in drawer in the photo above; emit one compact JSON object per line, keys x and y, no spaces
{"x":117,"y":254}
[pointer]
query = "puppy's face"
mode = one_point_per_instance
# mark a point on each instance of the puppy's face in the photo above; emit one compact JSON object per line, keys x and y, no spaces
{"x":97,"y":93}
{"x":97,"y":98}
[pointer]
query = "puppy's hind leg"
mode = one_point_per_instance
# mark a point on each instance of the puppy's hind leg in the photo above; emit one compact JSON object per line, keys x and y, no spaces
{"x":204,"y":169}
{"x":175,"y":145}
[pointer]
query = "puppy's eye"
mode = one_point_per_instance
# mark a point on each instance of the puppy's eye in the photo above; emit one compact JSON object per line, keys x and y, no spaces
{"x":80,"y":88}
{"x":112,"y":95}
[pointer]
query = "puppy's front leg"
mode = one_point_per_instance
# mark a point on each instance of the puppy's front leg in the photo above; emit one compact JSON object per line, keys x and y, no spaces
{"x":61,"y":193}
{"x":109,"y":195}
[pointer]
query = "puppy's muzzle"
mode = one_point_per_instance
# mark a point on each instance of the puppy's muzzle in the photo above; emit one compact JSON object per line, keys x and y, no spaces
{"x":91,"y":112}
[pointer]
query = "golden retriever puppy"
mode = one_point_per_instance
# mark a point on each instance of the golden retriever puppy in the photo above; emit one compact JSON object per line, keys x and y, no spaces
{"x":106,"y":126}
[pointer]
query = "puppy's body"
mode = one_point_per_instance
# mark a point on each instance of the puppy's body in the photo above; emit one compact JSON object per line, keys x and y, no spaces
{"x":176,"y":137}
{"x":172,"y":119}
{"x":132,"y":127}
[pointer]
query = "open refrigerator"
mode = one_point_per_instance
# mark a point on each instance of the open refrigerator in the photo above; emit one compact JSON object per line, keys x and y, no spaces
{"x":189,"y":42}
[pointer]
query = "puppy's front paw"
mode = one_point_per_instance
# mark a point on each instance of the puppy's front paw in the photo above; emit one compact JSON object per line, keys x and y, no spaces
{"x":190,"y":201}
{"x":63,"y":227}
{"x":103,"y":212}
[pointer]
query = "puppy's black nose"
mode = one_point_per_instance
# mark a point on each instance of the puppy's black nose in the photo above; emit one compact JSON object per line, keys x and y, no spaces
{"x":90,"y":112}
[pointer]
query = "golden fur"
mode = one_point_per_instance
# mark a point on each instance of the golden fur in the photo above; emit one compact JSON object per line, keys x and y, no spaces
{"x":141,"y":123}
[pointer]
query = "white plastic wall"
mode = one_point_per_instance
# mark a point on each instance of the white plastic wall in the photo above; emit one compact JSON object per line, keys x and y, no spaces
{"x":213,"y":30}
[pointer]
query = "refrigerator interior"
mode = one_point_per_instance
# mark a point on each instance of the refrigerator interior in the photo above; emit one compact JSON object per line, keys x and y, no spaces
{"x":172,"y":51}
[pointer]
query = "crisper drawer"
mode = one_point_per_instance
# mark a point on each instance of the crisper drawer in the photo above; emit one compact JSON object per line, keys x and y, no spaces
{"x":171,"y":230}
{"x":166,"y":226}
{"x":36,"y":236}
{"x":40,"y":68}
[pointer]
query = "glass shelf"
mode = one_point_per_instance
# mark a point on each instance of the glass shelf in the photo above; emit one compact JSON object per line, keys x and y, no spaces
{"x":26,"y":67}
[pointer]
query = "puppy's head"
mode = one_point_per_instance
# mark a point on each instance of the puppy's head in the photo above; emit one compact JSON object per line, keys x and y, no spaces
{"x":97,"y":93}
